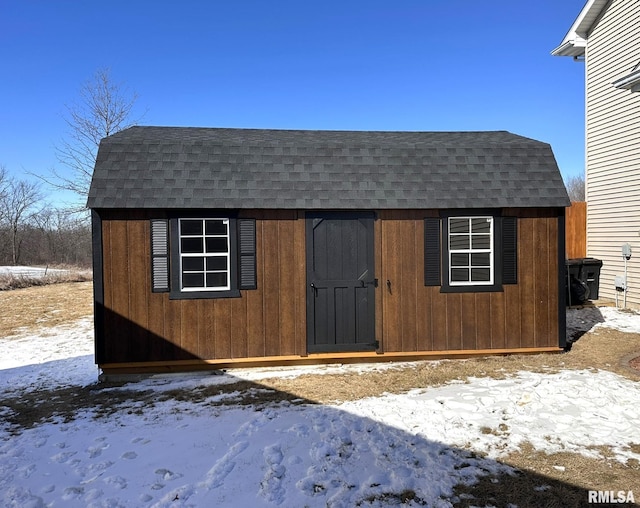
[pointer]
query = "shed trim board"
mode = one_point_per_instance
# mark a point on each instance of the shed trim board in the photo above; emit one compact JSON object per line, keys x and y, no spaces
{"x":331,"y":283}
{"x":114,"y":369}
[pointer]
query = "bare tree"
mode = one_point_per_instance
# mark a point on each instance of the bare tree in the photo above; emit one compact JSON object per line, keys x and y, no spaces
{"x":104,"y":108}
{"x":4,"y":183}
{"x":575,"y":188}
{"x":18,"y":207}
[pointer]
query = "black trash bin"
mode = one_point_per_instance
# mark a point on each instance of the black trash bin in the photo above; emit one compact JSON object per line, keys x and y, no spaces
{"x":577,"y":291}
{"x":590,"y":275}
{"x":583,"y":280}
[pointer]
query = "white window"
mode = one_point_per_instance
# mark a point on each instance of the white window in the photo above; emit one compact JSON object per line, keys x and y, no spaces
{"x":204,"y":254}
{"x":471,"y":251}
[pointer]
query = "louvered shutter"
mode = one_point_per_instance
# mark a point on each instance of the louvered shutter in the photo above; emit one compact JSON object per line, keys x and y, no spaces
{"x":509,"y":250}
{"x":247,"y":278}
{"x":432,"y":251}
{"x":159,"y":255}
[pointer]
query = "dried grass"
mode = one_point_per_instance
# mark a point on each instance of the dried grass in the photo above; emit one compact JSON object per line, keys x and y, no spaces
{"x":556,"y":480}
{"x":28,"y":309}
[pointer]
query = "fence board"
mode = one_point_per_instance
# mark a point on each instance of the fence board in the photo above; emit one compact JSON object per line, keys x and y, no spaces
{"x":576,"y":230}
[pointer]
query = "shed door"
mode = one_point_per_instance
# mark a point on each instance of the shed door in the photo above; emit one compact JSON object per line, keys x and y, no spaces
{"x":340,"y":282}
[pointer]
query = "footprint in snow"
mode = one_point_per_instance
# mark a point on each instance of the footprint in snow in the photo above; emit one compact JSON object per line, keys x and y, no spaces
{"x":27,"y":471}
{"x":72,"y":493}
{"x":62,"y":457}
{"x":221,"y":469}
{"x":271,"y":485}
{"x":116,"y":481}
{"x":96,"y":451}
{"x":129,"y":455}
{"x":167,"y":475}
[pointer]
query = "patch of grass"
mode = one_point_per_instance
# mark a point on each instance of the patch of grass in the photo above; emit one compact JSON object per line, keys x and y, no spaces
{"x":394,"y":498}
{"x":29,"y":309}
{"x":552,"y":480}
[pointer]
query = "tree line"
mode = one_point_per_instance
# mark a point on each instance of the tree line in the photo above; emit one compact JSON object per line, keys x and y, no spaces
{"x":34,"y":233}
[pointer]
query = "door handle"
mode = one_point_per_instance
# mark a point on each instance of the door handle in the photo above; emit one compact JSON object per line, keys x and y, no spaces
{"x":315,"y":289}
{"x":389,"y":285}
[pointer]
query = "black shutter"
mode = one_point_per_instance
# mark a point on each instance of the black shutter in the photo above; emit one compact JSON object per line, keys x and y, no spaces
{"x":247,"y":254}
{"x":432,"y":252}
{"x":509,"y":250}
{"x":159,"y":255}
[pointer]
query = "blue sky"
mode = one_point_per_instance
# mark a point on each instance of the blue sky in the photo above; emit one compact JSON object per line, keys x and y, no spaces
{"x":363,"y":65}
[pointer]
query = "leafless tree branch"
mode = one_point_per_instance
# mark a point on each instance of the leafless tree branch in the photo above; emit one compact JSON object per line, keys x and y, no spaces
{"x":576,"y":188}
{"x":103,"y":108}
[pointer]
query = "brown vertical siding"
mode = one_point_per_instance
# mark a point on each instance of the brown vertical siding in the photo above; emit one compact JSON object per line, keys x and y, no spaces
{"x":416,"y":317}
{"x":271,"y":320}
{"x":145,"y":326}
{"x":576,"y":230}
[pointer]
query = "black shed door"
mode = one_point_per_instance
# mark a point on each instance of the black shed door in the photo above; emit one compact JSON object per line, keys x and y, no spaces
{"x":340,"y":282}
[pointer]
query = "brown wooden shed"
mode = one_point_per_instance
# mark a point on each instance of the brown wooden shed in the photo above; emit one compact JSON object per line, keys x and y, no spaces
{"x":233,"y":247}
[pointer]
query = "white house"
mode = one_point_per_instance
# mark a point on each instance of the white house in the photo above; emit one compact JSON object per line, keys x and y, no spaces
{"x":606,"y":36}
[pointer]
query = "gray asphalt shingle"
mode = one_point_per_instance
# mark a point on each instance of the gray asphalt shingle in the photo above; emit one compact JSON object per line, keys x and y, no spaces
{"x":188,"y":167}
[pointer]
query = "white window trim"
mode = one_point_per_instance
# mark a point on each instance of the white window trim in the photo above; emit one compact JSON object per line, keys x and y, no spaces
{"x":205,"y":255}
{"x":470,"y":251}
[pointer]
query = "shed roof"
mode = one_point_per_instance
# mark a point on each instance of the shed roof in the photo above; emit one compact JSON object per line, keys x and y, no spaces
{"x":188,"y":167}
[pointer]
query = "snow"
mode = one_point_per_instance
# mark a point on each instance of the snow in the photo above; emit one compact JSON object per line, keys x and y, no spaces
{"x":183,"y":453}
{"x":30,"y":271}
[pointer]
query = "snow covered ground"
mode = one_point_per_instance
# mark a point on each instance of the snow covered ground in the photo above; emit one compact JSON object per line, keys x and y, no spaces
{"x":294,"y":454}
{"x":31,"y":272}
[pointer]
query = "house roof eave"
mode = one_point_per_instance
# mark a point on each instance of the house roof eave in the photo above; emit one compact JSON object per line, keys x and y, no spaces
{"x":575,"y":41}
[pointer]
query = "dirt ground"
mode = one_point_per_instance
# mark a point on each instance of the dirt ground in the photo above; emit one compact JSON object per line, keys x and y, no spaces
{"x":567,"y":476}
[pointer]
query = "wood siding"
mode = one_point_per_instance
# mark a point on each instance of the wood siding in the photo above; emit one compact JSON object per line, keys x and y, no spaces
{"x":576,"y":230}
{"x":270,"y":321}
{"x":417,"y":317}
{"x":145,"y":326}
{"x":612,"y":141}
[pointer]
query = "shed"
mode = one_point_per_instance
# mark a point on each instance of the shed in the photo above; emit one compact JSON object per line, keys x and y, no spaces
{"x":236,"y":247}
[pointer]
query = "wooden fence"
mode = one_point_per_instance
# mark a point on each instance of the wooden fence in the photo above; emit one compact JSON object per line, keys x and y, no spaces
{"x":576,"y":230}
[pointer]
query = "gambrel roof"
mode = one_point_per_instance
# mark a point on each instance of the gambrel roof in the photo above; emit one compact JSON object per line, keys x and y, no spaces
{"x":188,"y":167}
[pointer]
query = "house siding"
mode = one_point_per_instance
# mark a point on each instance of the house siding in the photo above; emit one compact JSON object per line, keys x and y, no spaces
{"x":612,"y":141}
{"x":270,"y":321}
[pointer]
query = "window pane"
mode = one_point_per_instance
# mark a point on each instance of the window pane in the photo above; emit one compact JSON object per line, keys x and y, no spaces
{"x":459,"y":274}
{"x":193,"y":264}
{"x":215,"y":227}
{"x":458,"y":225}
{"x":481,"y":225}
{"x":480,"y":274}
{"x":459,"y":259}
{"x":217,"y":263}
{"x":191,"y":245}
{"x":192,"y":280}
{"x":481,"y":242}
{"x":480,"y":259}
{"x":190,"y":227}
{"x":215,"y":280}
{"x":458,"y":242}
{"x":216,"y":244}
